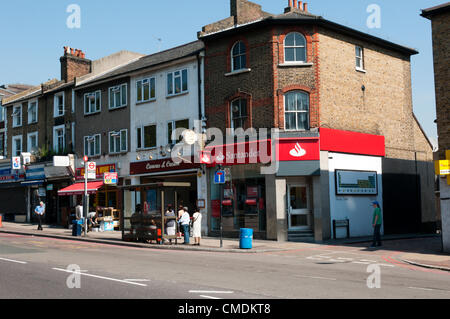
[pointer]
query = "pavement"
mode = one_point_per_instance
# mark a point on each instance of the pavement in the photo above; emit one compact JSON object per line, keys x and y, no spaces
{"x":416,"y":249}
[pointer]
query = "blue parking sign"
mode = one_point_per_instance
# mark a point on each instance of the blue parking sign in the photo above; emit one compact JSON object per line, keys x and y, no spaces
{"x":219,"y":177}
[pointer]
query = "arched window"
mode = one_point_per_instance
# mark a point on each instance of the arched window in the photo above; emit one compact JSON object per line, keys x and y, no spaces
{"x":238,"y":56}
{"x":295,"y":48}
{"x":239,"y":114}
{"x":296,"y":111}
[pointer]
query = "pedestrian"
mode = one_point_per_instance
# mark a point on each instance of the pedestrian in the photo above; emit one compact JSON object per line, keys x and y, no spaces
{"x":79,"y":211}
{"x":377,"y":221}
{"x":179,"y":214}
{"x":170,"y":224}
{"x":185,"y":221}
{"x":197,"y":227}
{"x":40,"y":211}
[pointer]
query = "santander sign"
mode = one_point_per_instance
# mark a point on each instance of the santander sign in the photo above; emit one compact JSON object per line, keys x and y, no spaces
{"x":297,"y":151}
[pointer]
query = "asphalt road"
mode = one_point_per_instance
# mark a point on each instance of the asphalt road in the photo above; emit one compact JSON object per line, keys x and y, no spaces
{"x":33,"y":267}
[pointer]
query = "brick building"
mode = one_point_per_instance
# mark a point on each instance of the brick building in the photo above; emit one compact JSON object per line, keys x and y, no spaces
{"x":440,"y":23}
{"x":314,"y":79}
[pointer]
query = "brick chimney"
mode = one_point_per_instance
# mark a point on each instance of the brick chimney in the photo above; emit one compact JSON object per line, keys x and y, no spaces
{"x":245,"y":11}
{"x":293,"y":6}
{"x":74,"y":64}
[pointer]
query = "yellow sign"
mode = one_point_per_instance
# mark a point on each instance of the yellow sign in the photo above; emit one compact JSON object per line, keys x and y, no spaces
{"x":442,"y":167}
{"x":447,"y":154}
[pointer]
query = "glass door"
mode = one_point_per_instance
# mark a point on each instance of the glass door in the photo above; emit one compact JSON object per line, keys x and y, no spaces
{"x":299,"y":209}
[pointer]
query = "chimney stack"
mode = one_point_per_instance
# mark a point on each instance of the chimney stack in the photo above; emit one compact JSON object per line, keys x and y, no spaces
{"x":305,"y":7}
{"x":294,"y":6}
{"x":74,"y":64}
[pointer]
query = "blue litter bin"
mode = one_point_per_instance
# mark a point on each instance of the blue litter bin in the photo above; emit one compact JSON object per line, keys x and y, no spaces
{"x":77,"y":227}
{"x":246,"y":238}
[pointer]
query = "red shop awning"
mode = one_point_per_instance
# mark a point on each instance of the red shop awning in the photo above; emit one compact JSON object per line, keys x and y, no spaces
{"x":78,"y":189}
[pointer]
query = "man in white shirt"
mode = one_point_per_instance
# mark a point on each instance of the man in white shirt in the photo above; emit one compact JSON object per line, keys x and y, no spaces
{"x":185,"y":221}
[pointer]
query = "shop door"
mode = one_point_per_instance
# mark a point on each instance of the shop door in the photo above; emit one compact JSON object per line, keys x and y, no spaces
{"x":299,"y":209}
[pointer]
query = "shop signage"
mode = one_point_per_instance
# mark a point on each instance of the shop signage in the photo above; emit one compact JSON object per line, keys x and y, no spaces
{"x":110,"y":178}
{"x":49,"y":187}
{"x":442,"y":167}
{"x":16,"y":162}
{"x":35,"y":172}
{"x":303,"y":149}
{"x":61,"y":161}
{"x":253,"y":152}
{"x":164,"y":165}
{"x":100,"y":170}
{"x":356,"y":183}
{"x":8,"y":176}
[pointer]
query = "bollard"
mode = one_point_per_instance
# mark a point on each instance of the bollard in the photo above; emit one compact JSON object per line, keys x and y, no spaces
{"x":159,"y":236}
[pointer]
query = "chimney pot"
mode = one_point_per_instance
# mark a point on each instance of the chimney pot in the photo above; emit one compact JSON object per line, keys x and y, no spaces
{"x":300,"y":5}
{"x":290,"y":3}
{"x":295,"y":3}
{"x":71,"y":51}
{"x":305,"y":7}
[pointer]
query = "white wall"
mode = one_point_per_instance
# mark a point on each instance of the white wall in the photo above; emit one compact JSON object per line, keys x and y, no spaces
{"x":357,"y":209}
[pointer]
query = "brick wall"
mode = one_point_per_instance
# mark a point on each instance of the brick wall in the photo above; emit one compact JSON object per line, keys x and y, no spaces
{"x":72,"y":66}
{"x":441,"y":48}
{"x":384,"y":107}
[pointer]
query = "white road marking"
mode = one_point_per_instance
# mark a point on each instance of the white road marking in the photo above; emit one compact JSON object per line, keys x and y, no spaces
{"x":209,"y":297}
{"x":14,"y":261}
{"x":137,"y":280}
{"x":314,"y":277}
{"x":101,"y":277}
{"x":210,"y":292}
{"x":418,"y":288}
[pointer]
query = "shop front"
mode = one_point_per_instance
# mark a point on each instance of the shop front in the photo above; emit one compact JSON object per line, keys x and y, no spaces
{"x":13,"y":195}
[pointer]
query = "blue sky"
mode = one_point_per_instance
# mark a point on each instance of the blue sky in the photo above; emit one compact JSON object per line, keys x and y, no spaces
{"x":34,"y":33}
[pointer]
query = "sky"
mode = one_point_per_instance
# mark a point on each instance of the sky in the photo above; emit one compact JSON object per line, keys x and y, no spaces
{"x":34,"y":33}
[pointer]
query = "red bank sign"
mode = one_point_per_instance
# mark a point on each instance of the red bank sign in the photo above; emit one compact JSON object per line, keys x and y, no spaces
{"x":294,"y":149}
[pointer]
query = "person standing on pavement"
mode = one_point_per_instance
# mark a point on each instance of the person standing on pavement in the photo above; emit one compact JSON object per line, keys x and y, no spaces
{"x":377,"y":221}
{"x":197,"y":227}
{"x":79,"y":211}
{"x":184,"y":222}
{"x":179,"y":214}
{"x":170,"y":224}
{"x":40,"y":211}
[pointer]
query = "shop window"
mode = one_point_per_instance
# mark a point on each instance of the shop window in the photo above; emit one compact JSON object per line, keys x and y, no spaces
{"x":239,"y":114}
{"x":294,"y":48}
{"x":296,"y":111}
{"x":238,"y":56}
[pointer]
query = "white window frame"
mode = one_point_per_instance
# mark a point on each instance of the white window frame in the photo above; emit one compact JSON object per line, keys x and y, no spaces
{"x":30,"y":121}
{"x":92,"y":104}
{"x":233,"y":69}
{"x":171,"y":86}
{"x":142,"y":137}
{"x":308,"y":112}
{"x":29,"y":135}
{"x":55,"y":140}
{"x":2,"y":112}
{"x":92,"y":140}
{"x":150,"y":80}
{"x":359,"y":58}
{"x":304,"y":47}
{"x":14,"y":150}
{"x":19,"y":116}
{"x":56,"y":110}
{"x":174,"y":128}
{"x":112,"y":148}
{"x":111,"y":96}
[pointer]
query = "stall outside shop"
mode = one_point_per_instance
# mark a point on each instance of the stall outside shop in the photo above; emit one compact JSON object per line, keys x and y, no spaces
{"x":105,"y":199}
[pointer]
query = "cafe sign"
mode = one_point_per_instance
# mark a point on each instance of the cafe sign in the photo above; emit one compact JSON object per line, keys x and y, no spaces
{"x":164,"y":165}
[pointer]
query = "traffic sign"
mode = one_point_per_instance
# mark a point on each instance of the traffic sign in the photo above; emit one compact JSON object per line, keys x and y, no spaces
{"x":85,"y":158}
{"x":91,"y":170}
{"x":219,"y":177}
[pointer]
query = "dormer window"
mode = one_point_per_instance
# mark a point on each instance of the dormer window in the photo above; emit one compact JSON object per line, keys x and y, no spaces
{"x":295,"y":48}
{"x":238,"y":56}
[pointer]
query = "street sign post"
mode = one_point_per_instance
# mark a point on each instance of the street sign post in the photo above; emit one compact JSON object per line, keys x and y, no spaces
{"x":91,"y":170}
{"x":219,"y":179}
